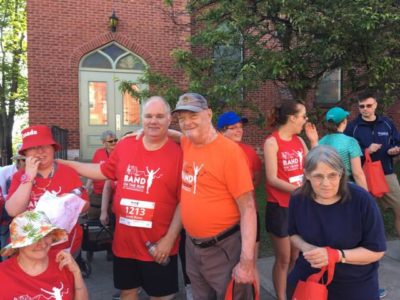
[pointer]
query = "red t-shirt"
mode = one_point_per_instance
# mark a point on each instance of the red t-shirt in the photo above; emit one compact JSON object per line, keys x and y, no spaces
{"x":53,"y":283}
{"x":213,"y":176}
{"x":148,"y":188}
{"x":253,"y":158}
{"x":100,"y":156}
{"x":290,"y":159}
{"x":64,"y":180}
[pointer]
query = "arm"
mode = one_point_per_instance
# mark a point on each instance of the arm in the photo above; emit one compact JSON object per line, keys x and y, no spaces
{"x":175,"y":135}
{"x":244,"y":271}
{"x":358,"y":172}
{"x":165,"y":244}
{"x":105,"y":202}
{"x":318,"y":257}
{"x":65,"y":260}
{"x":271,"y":167}
{"x":88,"y":170}
{"x":89,"y":185}
{"x":18,"y":201}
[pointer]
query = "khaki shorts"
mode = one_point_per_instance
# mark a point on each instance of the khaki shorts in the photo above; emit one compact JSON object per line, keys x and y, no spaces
{"x":391,"y":199}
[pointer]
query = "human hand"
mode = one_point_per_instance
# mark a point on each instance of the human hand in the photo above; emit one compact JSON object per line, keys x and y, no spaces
{"x":374,"y":147}
{"x":317,"y":257}
{"x":31,"y":166}
{"x":65,"y":259}
{"x":138,"y":133}
{"x":311,"y":133}
{"x":104,"y":218}
{"x":394,"y":150}
{"x":162,"y":250}
{"x":244,"y":272}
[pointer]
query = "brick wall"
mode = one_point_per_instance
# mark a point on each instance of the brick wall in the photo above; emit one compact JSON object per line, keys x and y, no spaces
{"x":61,"y":32}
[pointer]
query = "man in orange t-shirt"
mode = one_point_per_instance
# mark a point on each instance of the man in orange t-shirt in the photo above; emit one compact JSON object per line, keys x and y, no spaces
{"x":217,"y":204}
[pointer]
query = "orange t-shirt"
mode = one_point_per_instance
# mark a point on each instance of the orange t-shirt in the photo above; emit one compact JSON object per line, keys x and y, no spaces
{"x":213,"y":176}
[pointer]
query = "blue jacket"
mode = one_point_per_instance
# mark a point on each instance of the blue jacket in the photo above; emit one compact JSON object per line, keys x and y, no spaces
{"x":382,"y":131}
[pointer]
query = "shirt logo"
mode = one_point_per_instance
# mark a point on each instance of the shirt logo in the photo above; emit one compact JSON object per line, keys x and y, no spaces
{"x":292,"y":160}
{"x":383,"y":133}
{"x":139,"y":181}
{"x":55,"y":293}
{"x":189,"y":177}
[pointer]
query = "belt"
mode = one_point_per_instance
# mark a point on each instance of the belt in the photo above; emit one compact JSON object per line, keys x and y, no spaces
{"x":212,"y":241}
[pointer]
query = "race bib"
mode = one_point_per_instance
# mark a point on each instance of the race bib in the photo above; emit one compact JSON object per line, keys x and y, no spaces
{"x":297,"y":180}
{"x":137,"y":213}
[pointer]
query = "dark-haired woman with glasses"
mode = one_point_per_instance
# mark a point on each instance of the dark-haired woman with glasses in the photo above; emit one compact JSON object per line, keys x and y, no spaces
{"x":328,"y":211}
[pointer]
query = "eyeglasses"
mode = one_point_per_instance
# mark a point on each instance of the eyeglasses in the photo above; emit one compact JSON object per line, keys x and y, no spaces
{"x":112,"y":141}
{"x":362,"y":106}
{"x":331,"y":177}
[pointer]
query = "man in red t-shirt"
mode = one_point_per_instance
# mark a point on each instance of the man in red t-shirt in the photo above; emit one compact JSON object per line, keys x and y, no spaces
{"x":146,"y":205}
{"x":217,"y":206}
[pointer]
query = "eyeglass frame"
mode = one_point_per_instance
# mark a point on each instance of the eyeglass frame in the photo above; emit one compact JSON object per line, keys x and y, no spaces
{"x":113,"y":141}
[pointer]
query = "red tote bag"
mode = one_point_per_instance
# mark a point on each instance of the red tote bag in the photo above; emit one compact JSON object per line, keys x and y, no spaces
{"x":313,"y":288}
{"x":375,"y":176}
{"x":230,"y":291}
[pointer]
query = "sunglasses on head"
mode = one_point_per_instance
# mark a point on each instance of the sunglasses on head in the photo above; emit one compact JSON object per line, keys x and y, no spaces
{"x":112,"y":141}
{"x":362,"y":106}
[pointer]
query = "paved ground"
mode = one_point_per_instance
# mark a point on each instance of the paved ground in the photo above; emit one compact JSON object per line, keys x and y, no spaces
{"x":101,"y":286}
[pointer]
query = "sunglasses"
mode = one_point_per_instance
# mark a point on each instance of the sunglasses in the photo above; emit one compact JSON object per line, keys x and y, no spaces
{"x":362,"y":106}
{"x":112,"y":141}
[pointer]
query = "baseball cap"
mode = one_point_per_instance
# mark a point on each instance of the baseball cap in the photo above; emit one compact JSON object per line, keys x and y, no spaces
{"x":192,"y":102}
{"x":336,"y":114}
{"x":229,"y":118}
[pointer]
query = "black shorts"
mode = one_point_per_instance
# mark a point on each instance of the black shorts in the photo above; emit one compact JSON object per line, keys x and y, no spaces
{"x":276,"y":219}
{"x":155,"y":279}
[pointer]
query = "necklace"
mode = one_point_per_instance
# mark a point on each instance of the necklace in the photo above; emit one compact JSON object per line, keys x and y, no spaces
{"x":50,"y":177}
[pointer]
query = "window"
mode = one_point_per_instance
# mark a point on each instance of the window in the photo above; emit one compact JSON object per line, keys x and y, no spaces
{"x":113,"y":56}
{"x":329,"y":89}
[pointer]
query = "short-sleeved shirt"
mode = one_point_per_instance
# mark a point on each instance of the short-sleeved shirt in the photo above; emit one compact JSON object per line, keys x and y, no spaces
{"x":353,"y":223}
{"x":146,"y":197}
{"x":53,"y":283}
{"x":213,"y":176}
{"x":99,"y":157}
{"x":64,"y":180}
{"x":253,"y":159}
{"x":347,"y":147}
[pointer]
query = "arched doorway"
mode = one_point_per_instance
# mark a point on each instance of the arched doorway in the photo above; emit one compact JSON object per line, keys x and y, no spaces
{"x":102,"y":105}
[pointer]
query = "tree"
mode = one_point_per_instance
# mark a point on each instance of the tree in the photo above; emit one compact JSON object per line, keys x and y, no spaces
{"x":293,"y":43}
{"x":13,"y":84}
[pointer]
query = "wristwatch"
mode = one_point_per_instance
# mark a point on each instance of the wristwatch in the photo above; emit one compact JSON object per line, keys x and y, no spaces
{"x":25,"y":178}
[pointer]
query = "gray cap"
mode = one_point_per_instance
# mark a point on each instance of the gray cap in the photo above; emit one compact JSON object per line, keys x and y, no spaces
{"x":192,"y":102}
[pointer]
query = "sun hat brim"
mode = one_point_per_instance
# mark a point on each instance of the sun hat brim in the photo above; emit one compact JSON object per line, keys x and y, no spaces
{"x":58,"y":236}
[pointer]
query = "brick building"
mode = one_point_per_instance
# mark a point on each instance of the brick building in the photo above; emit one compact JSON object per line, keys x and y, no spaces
{"x":75,"y":63}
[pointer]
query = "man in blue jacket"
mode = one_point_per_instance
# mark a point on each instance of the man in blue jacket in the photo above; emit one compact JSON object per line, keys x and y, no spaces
{"x":379,"y":135}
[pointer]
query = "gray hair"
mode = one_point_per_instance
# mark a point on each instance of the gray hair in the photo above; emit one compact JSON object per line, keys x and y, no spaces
{"x":329,"y":156}
{"x":152,"y":98}
{"x":107,"y":133}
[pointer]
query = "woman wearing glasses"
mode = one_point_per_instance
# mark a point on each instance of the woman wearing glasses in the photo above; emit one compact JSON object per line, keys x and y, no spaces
{"x":284,"y":154}
{"x":42,"y":173}
{"x":327,"y":211}
{"x":95,"y":187}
